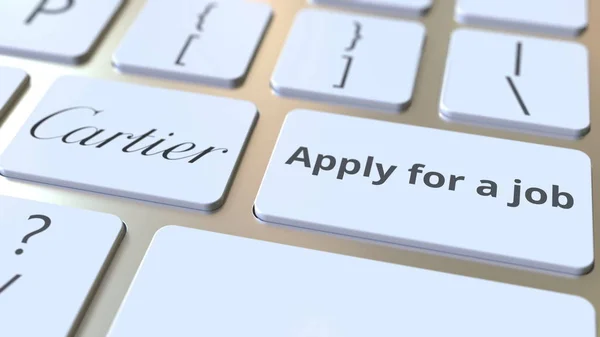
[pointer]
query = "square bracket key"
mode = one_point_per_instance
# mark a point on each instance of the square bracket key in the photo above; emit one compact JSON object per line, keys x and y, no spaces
{"x":519,"y":83}
{"x":350,"y":59}
{"x":210,"y":42}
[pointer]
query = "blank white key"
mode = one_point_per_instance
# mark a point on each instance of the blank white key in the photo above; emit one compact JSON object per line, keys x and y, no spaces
{"x":516,"y":82}
{"x":556,"y":17}
{"x":52,"y":259}
{"x":197,"y":283}
{"x":350,"y":59}
{"x":208,"y":41}
{"x":133,"y":141}
{"x":398,"y":7}
{"x":436,"y":190}
{"x":60,"y":31}
{"x":12,"y":82}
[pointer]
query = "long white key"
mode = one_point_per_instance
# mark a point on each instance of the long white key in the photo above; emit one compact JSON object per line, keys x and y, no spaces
{"x":347,"y":59}
{"x":197,"y":283}
{"x":12,"y":82}
{"x":147,"y":143}
{"x":61,"y":31}
{"x":492,"y":199}
{"x":557,"y":17}
{"x":206,"y":41}
{"x":398,"y":7}
{"x":517,"y":82}
{"x":52,"y":259}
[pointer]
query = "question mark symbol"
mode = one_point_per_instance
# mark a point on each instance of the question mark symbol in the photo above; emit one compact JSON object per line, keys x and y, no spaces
{"x":46,"y":225}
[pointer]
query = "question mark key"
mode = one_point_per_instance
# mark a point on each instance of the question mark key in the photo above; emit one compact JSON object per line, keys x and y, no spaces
{"x":59,"y":254}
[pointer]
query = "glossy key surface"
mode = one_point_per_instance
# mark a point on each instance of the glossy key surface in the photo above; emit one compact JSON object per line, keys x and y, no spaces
{"x":210,"y":42}
{"x":52,"y":260}
{"x":517,"y":82}
{"x":399,"y":7}
{"x":444,"y":192}
{"x":56,"y":31}
{"x":350,"y":59}
{"x":152,"y":144}
{"x":553,"y":17}
{"x":195,"y":283}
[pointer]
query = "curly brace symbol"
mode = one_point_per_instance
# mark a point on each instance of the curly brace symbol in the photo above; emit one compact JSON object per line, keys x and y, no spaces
{"x":202,"y":16}
{"x":200,"y":27}
{"x":357,"y":36}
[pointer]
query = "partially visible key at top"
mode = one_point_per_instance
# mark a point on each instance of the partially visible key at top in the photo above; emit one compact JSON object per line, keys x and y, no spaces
{"x":51,"y":260}
{"x":197,"y":283}
{"x":399,"y":7}
{"x":555,"y":17}
{"x":59,"y":31}
{"x":12,"y":82}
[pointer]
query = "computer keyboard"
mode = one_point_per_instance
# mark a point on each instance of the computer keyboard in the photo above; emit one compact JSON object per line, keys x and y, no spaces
{"x":298,"y":168}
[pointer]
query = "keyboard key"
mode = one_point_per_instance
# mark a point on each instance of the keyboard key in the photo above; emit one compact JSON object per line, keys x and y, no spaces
{"x":451,"y":193}
{"x":191,"y":37}
{"x":221,"y":285}
{"x":52,"y":259}
{"x":59,"y":31}
{"x":133,"y":141}
{"x":350,"y":59}
{"x":556,"y":17}
{"x":12,"y":82}
{"x":518,"y":83}
{"x":397,"y":7}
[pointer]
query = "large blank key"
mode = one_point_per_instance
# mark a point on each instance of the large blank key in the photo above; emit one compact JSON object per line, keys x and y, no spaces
{"x":350,"y":59}
{"x":196,"y":283}
{"x":479,"y":197}
{"x":203,"y":41}
{"x":152,"y":144}
{"x":62,"y":31}
{"x":52,"y":259}
{"x":558,"y":17}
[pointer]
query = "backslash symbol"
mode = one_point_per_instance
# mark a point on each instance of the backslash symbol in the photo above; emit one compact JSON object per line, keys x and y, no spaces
{"x":517,"y":73}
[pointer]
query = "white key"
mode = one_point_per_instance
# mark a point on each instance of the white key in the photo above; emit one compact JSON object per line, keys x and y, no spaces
{"x":556,"y":17}
{"x":207,"y":41}
{"x":146,"y":143}
{"x":52,"y":259}
{"x":516,"y":82}
{"x":398,"y":7}
{"x":59,"y":31}
{"x":436,"y":190}
{"x":350,"y":59}
{"x":221,"y":285}
{"x":12,"y":82}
